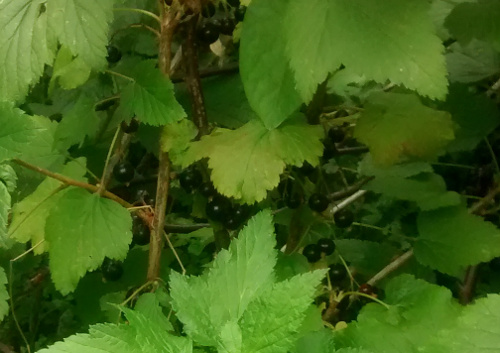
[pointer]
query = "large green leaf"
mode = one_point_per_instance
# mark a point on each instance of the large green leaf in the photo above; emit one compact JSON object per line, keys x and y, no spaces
{"x":82,"y":230}
{"x":150,"y":96}
{"x":247,"y":162}
{"x":396,"y":125}
{"x":82,"y":26}
{"x":269,"y":85}
{"x":382,"y":40}
{"x":24,"y":46}
{"x":4,"y":295}
{"x":175,"y":138}
{"x":451,"y":239}
{"x":69,"y":71}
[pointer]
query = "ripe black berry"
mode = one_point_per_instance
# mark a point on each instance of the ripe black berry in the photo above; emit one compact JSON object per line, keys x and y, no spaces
{"x":131,"y":127}
{"x":232,"y":223}
{"x":241,"y":212}
{"x":293,"y":200}
{"x":326,"y":245}
{"x":227,"y":26}
{"x":343,"y":218}
{"x":217,"y":209}
{"x":208,"y":10}
{"x":366,"y":289}
{"x":114,"y":54}
{"x":190,"y":179}
{"x":336,"y":134}
{"x":124,"y":172}
{"x":312,"y":253}
{"x":337,"y":273}
{"x":140,"y":231}
{"x":239,"y":13}
{"x":207,"y":189}
{"x":209,"y":31}
{"x":112,"y":270}
{"x":318,"y":202}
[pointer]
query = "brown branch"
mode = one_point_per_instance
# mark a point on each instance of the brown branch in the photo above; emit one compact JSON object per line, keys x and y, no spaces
{"x":352,"y":189}
{"x":169,"y":22}
{"x":391,"y":267}
{"x":155,"y":246}
{"x":192,"y":79}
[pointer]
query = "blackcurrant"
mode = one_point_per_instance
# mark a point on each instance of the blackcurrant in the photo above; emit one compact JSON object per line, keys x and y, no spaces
{"x":209,"y":31}
{"x":140,"y":231}
{"x":190,"y":179}
{"x":312,"y":253}
{"x":131,"y":127}
{"x":293,"y":200}
{"x":207,"y":189}
{"x":114,"y":54}
{"x":227,"y":26}
{"x":208,"y":10}
{"x":318,"y":202}
{"x":112,"y":270}
{"x":239,"y":13}
{"x":343,"y":218}
{"x":336,"y":134}
{"x":124,"y":172}
{"x":366,"y":289}
{"x":241,"y":212}
{"x":337,"y":273}
{"x":326,"y":245}
{"x":218,"y":208}
{"x":231,"y":223}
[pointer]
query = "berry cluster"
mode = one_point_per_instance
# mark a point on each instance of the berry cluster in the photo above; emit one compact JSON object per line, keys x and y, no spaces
{"x":313,"y":252}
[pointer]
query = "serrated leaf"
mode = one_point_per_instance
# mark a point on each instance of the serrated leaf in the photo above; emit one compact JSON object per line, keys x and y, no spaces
{"x":230,"y":339}
{"x":315,"y":342}
{"x":427,"y":190}
{"x":175,"y":139}
{"x":79,"y":122}
{"x":30,"y":214}
{"x":476,"y":116}
{"x":451,"y":239}
{"x":24,"y":46}
{"x":82,"y":230}
{"x":476,"y":20}
{"x":82,"y":26}
{"x":149,"y":306}
{"x":235,"y":278}
{"x":71,"y":72}
{"x":247,"y":162}
{"x":4,"y":295}
{"x":402,"y":46}
{"x":8,"y":177}
{"x":270,"y":323}
{"x":5,"y":203}
{"x":270,"y":85}
{"x":404,"y":170}
{"x":150,"y":96}
{"x":396,"y":126}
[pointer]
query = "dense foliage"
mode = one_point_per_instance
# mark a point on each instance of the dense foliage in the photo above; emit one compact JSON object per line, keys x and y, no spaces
{"x":254,"y":176}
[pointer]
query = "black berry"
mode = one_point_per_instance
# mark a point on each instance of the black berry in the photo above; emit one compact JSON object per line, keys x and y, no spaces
{"x":337,"y":273}
{"x":343,"y":218}
{"x":232,"y":223}
{"x":218,"y":208}
{"x":190,"y":179}
{"x":136,"y":153}
{"x":209,"y":32}
{"x":336,"y":134}
{"x":112,"y":270}
{"x":140,"y":231}
{"x":227,"y":26}
{"x":326,"y":245}
{"x":318,"y":202}
{"x":124,"y":172}
{"x":366,"y":289}
{"x":293,"y":200}
{"x":239,"y":13}
{"x":241,"y":212}
{"x":208,"y":10}
{"x":312,"y":253}
{"x":207,"y":189}
{"x":131,"y":127}
{"x":114,"y":54}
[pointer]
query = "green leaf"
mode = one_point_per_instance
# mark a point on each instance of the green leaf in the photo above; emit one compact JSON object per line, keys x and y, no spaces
{"x":175,"y":139}
{"x":71,"y":72}
{"x":476,"y":20}
{"x":149,"y":306}
{"x":82,"y":26}
{"x":315,"y":342}
{"x":396,"y":125}
{"x":402,"y":46}
{"x":8,"y":177}
{"x":230,"y":339}
{"x":5,"y":203}
{"x":24,"y":46}
{"x":368,"y":167}
{"x":270,"y":323}
{"x":103,"y":229}
{"x":4,"y":295}
{"x":270,"y":85}
{"x":247,"y":162}
{"x":150,"y":96}
{"x":30,"y":214}
{"x":79,"y":122}
{"x":451,"y":239}
{"x":427,"y":190}
{"x":475,"y":115}
{"x":237,"y":276}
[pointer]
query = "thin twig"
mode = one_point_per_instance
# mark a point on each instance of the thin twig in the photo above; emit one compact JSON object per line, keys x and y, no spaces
{"x":344,"y":203}
{"x":176,"y":255}
{"x":352,"y":150}
{"x":394,"y":265}
{"x":339,"y":195}
{"x":141,"y":11}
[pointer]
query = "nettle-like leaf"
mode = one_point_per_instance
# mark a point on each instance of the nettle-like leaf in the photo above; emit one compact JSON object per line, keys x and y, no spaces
{"x":25,"y":46}
{"x":451,"y":239}
{"x":4,"y":295}
{"x":30,"y":214}
{"x":150,"y":96}
{"x":247,"y":162}
{"x":82,"y":26}
{"x":402,"y":46}
{"x":396,"y":125}
{"x":175,"y":139}
{"x":71,"y":72}
{"x":270,"y":85}
{"x":79,"y":122}
{"x":82,"y":230}
{"x":476,"y":20}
